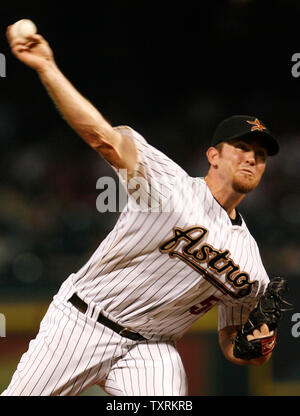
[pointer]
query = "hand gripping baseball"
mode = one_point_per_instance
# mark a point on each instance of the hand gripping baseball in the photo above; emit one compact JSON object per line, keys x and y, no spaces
{"x":268,"y":311}
{"x":33,"y":50}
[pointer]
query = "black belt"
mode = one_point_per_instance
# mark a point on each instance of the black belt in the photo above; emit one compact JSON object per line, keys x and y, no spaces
{"x":121,"y":330}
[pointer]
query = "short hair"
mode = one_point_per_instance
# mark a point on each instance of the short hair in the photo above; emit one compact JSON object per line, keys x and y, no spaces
{"x":219,"y":146}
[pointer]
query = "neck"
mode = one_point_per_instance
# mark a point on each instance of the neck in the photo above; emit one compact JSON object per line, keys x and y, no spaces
{"x":227,"y":198}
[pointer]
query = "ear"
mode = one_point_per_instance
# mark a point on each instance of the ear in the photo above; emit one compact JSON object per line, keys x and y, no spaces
{"x":212,"y":155}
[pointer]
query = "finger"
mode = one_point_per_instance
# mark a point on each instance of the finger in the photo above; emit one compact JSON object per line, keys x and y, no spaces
{"x":17,"y":42}
{"x":19,"y":49}
{"x":36,"y":38}
{"x":30,"y":44}
{"x":30,"y":38}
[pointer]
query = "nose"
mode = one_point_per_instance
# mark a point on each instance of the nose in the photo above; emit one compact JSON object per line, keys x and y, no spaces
{"x":251,"y":157}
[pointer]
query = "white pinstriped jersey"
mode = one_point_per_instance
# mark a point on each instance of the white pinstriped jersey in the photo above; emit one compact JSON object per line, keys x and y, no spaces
{"x":159,"y":270}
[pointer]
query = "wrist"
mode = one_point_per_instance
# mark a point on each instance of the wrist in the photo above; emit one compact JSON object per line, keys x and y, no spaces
{"x":47,"y":68}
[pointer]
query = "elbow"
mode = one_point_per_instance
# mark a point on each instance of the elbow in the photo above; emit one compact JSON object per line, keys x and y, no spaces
{"x":103,"y":146}
{"x":107,"y":151}
{"x":97,"y":139}
{"x":94,"y":136}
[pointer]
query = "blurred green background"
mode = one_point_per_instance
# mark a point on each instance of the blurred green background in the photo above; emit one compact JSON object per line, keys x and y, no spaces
{"x":172,"y":71}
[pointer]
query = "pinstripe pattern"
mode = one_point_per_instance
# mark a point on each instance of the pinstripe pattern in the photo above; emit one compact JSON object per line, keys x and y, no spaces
{"x":157,"y":367}
{"x":135,"y":279}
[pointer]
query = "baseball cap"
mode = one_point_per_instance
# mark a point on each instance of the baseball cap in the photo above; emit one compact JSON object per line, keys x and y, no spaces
{"x":245,"y":126}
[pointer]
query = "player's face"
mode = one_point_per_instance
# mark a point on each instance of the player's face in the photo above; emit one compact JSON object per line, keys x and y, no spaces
{"x":242,"y":164}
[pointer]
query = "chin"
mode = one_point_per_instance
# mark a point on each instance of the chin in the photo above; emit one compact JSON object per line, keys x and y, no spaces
{"x":243,"y":186}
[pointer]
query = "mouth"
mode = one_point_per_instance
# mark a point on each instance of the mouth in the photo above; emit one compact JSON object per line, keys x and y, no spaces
{"x":247,"y":171}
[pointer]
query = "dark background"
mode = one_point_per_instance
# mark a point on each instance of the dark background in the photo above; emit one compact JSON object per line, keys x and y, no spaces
{"x":172,"y":71}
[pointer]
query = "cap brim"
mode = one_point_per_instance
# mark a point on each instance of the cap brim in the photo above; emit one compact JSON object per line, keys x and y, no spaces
{"x":267,"y":140}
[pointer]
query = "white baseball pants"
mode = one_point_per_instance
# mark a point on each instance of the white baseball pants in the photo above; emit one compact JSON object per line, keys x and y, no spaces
{"x":73,"y":352}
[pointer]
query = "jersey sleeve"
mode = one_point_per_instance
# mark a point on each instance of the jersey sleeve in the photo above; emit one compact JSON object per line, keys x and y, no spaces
{"x":153,"y":180}
{"x":236,"y":313}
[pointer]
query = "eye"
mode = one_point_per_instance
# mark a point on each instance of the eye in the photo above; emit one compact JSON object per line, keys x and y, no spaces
{"x":242,"y":146}
{"x":262,"y":155}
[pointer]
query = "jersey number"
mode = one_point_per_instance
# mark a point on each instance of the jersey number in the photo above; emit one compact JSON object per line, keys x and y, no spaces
{"x":205,"y":306}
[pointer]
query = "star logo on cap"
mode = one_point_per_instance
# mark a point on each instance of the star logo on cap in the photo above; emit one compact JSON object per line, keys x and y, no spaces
{"x":256,"y":125}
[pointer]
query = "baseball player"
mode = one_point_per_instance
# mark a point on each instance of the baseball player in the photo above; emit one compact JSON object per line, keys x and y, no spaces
{"x":179,"y":249}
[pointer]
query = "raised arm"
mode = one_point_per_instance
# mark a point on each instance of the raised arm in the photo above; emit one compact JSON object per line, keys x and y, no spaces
{"x":80,"y":114}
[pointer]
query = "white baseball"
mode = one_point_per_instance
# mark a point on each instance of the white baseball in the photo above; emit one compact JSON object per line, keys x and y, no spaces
{"x":23,"y":28}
